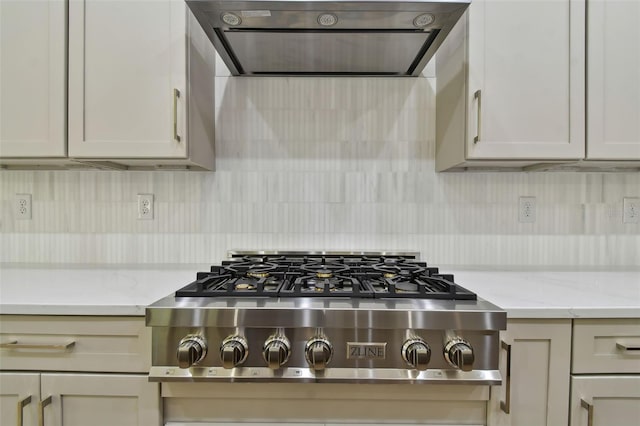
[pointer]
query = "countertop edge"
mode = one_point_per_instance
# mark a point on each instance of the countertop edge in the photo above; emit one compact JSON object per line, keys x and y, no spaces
{"x":139,"y":311}
{"x":572,"y":313}
{"x":74,"y":310}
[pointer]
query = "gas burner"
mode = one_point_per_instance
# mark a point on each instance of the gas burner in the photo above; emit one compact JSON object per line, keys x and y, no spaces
{"x":253,"y":270}
{"x":244,"y":285}
{"x":224,"y":282}
{"x":255,"y":274}
{"x":322,"y":282}
{"x":393,"y":270}
{"x":325,"y":270}
{"x":406,"y":287}
{"x":438,"y":286}
{"x":336,"y":286}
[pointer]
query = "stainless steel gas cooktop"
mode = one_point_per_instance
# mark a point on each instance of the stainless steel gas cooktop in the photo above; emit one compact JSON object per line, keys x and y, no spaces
{"x":325,"y":317}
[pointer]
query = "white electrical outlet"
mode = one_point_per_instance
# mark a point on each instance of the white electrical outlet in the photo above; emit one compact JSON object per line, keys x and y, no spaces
{"x":145,"y":206}
{"x":527,"y":209}
{"x":631,"y":210}
{"x":22,"y":206}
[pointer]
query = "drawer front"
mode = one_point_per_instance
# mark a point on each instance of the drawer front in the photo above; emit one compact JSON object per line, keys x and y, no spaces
{"x":324,"y":403}
{"x":78,"y":343}
{"x":606,"y":346}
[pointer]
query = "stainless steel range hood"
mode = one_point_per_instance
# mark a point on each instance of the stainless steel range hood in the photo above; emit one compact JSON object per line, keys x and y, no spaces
{"x":361,"y":37}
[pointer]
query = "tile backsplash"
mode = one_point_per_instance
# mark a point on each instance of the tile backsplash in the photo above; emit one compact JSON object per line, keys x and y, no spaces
{"x":321,"y":163}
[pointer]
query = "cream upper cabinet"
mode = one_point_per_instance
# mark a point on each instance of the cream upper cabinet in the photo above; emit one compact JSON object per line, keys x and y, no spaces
{"x":613,"y":80}
{"x":535,"y":359}
{"x":127,"y":80}
{"x":126,"y":59}
{"x":511,"y":84}
{"x":122,"y":99}
{"x":33,"y":80}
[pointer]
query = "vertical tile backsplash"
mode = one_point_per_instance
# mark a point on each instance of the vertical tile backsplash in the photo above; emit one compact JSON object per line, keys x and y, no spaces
{"x":321,"y":163}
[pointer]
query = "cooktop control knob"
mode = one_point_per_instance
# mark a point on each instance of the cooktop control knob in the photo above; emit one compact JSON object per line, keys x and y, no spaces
{"x":276,"y":351}
{"x":318,"y":352}
{"x":459,"y":354}
{"x":191,"y":350}
{"x":416,"y":353}
{"x":233,"y":351}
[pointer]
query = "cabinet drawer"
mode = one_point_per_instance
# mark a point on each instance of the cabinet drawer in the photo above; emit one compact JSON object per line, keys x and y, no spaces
{"x":78,"y":343}
{"x":606,"y":346}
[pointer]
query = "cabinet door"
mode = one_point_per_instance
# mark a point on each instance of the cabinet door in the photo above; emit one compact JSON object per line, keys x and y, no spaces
{"x":100,"y":400}
{"x":127,"y":66}
{"x":613,"y":82}
{"x":33,"y":78}
{"x":19,"y":396}
{"x":526,"y":62}
{"x":535,"y":374}
{"x":605,"y":401}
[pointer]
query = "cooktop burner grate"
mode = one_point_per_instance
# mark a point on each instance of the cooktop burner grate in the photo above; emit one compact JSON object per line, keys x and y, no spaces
{"x":326,"y":276}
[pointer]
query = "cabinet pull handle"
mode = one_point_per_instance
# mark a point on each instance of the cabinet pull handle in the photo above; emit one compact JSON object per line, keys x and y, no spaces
{"x":627,"y":347}
{"x":41,"y":406}
{"x":21,"y":404}
{"x":176,"y":95}
{"x":506,"y":404}
{"x":57,"y":347}
{"x":478,"y":95}
{"x":589,"y":407}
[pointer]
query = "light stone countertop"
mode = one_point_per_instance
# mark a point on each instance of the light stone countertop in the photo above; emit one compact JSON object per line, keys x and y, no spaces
{"x":557,"y":294}
{"x":88,"y":289}
{"x":126,"y":289}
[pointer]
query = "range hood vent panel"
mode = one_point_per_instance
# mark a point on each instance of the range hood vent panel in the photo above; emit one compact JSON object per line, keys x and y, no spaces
{"x":326,"y":52}
{"x":376,"y":38}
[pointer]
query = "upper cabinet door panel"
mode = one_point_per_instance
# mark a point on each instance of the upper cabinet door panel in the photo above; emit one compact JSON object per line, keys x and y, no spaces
{"x":527,"y":60}
{"x":126,"y":58}
{"x":33,"y":78}
{"x":613,"y":109}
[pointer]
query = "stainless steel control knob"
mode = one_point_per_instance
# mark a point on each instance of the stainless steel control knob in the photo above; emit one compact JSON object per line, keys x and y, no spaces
{"x":233,"y":351}
{"x":318,"y":352}
{"x":191,"y":350}
{"x":459,"y":354}
{"x":416,"y":353}
{"x":276,"y":351}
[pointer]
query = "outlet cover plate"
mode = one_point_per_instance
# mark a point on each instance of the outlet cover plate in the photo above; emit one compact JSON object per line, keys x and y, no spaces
{"x":145,"y":206}
{"x":22,"y":206}
{"x":631,"y":210}
{"x":527,"y":209}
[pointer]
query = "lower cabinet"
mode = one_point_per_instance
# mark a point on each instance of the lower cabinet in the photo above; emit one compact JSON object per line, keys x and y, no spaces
{"x":605,"y":401}
{"x":605,"y":385}
{"x":302,"y":424}
{"x":78,"y":400}
{"x":19,"y":397}
{"x":99,"y":400}
{"x":535,"y":366}
{"x":76,"y":371}
{"x":323,"y":404}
